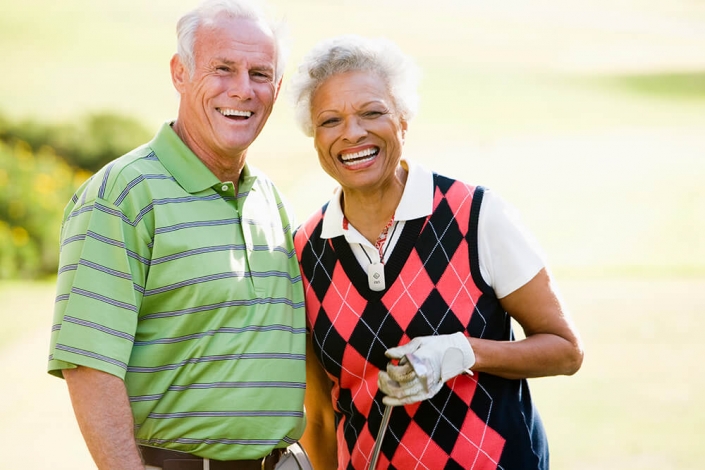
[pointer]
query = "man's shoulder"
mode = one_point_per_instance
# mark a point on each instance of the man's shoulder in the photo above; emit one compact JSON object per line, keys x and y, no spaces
{"x":138,"y":161}
{"x":262,"y":178}
{"x":119,"y":174}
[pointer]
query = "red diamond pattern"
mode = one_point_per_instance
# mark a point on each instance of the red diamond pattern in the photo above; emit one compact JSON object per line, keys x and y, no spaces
{"x":343,"y":303}
{"x":456,"y":287}
{"x":409,"y":292}
{"x":479,"y":446}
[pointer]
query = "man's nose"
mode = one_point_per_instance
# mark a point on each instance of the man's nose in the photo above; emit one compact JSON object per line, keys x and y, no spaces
{"x":240,"y":86}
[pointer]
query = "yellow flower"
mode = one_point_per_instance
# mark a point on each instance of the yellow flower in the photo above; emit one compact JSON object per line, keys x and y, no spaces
{"x":20,"y":237}
{"x":44,"y":184}
{"x":24,"y":156}
{"x":80,"y":177}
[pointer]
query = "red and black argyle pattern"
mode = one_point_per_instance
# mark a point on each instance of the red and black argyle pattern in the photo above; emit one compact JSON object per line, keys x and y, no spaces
{"x":434,"y":287}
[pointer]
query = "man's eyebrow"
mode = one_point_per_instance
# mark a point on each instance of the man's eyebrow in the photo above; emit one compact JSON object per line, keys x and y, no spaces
{"x":223,"y":60}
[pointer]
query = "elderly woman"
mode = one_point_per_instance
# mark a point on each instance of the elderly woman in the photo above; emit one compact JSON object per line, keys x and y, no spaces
{"x":411,"y":281}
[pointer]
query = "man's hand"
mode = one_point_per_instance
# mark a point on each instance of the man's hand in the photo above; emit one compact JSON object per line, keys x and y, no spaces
{"x":425,"y":364}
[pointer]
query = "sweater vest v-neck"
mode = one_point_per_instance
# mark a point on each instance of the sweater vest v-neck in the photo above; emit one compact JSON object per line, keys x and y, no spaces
{"x":433,"y":287}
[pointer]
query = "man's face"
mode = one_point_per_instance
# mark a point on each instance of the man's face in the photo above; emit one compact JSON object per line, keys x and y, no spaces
{"x":230,"y":95}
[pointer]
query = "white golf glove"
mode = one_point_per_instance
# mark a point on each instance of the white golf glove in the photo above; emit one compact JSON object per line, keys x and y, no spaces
{"x":425,"y":364}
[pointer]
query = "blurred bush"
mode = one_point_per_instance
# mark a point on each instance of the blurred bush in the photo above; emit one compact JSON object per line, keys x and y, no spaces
{"x":88,"y":143}
{"x":41,"y":166}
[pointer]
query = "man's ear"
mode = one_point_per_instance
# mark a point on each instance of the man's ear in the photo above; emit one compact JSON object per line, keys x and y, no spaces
{"x":179,"y":74}
{"x":279,"y":87}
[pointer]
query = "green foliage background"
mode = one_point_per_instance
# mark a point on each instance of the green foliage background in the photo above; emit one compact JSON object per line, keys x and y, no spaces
{"x":41,"y":166}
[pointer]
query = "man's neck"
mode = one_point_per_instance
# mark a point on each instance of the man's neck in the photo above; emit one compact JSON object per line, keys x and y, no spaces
{"x":225,"y":168}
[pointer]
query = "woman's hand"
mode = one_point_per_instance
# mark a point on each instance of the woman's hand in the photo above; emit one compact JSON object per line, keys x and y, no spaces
{"x":425,"y":364}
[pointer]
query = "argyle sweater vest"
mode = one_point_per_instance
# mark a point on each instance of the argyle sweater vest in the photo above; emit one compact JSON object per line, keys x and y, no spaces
{"x":433,"y":287}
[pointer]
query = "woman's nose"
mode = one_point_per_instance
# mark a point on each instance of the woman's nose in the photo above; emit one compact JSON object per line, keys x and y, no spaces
{"x":353,"y":130}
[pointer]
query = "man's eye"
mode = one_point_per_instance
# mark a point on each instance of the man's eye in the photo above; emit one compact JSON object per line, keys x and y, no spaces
{"x":262,"y":76}
{"x":222,"y":68}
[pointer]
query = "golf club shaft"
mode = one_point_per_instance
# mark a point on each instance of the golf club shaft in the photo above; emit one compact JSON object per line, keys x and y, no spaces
{"x":380,"y":436}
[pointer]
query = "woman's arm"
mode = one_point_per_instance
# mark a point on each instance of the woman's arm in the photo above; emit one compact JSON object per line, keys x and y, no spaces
{"x":105,"y":418}
{"x":319,"y":439}
{"x":552,"y":345}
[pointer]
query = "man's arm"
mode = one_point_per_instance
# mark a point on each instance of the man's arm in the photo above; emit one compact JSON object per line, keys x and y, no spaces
{"x":319,"y":439}
{"x":104,"y":416}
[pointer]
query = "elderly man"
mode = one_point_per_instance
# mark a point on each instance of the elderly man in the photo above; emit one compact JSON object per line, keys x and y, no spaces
{"x":179,"y":323}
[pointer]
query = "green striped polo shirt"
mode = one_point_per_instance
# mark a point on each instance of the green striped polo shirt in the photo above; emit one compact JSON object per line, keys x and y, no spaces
{"x":190,"y":293}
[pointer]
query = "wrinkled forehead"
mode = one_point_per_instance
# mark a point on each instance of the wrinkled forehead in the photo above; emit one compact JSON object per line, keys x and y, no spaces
{"x":232,"y":36}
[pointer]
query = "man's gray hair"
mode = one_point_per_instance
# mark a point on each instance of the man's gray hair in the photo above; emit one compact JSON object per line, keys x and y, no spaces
{"x":209,"y":10}
{"x":354,"y":53}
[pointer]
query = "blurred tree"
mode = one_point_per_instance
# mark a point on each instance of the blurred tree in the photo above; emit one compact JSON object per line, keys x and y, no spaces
{"x":88,"y":144}
{"x":34,"y":188}
{"x":41,"y":166}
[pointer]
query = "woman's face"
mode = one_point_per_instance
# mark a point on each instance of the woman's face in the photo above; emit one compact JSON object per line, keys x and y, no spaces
{"x":357,"y":132}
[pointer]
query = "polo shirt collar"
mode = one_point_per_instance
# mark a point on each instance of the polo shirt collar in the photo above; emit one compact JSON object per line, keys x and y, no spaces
{"x":188,"y":170}
{"x":416,"y":201}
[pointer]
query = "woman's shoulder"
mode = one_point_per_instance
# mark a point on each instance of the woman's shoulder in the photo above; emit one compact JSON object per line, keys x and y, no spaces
{"x":312,"y":224}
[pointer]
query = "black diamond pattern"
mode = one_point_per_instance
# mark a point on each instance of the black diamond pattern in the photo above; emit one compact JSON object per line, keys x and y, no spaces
{"x":356,"y":421}
{"x":493,"y":323}
{"x":318,"y":271}
{"x":441,"y":225}
{"x":324,"y":331}
{"x":375,"y":322}
{"x":443,"y":183}
{"x":453,"y":465}
{"x":434,"y":318}
{"x":443,"y":429}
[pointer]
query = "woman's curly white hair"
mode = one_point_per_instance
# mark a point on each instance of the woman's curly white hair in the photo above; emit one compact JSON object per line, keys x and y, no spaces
{"x":354,"y":53}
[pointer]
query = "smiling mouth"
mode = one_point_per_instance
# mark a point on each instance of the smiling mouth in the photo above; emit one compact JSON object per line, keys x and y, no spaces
{"x":235,"y":114}
{"x":359,"y":157}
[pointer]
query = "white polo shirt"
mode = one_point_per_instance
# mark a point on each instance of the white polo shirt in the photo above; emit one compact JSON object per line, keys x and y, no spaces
{"x":509,"y":255}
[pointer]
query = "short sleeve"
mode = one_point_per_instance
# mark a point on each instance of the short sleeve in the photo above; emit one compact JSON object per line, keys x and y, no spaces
{"x":99,"y":290}
{"x":509,"y":255}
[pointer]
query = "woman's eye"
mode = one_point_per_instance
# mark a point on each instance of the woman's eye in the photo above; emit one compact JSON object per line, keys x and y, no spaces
{"x":329,"y":122}
{"x":372,"y":114}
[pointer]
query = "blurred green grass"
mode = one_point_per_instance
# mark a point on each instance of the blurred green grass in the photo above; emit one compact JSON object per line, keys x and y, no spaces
{"x":670,"y":85}
{"x":634,"y":404}
{"x":25,"y":306}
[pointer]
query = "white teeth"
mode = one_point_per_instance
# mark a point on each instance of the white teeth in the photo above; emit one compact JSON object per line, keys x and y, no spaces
{"x":234,"y":112}
{"x":357,"y":162}
{"x":362,"y":153}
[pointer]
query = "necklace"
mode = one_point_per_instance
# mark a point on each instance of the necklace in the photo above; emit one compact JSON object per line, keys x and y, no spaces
{"x":375,"y":271}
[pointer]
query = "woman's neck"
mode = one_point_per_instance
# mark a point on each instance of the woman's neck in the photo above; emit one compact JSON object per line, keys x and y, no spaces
{"x":369,"y":211}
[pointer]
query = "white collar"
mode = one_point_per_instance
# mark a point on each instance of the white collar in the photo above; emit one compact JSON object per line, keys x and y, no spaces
{"x":416,"y":201}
